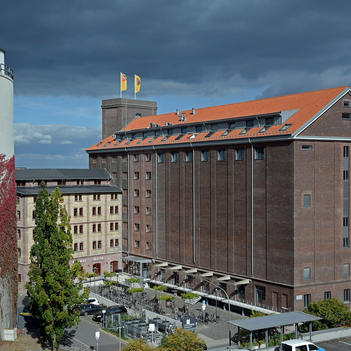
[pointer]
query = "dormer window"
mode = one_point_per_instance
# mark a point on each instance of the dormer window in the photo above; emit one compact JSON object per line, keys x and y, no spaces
{"x":249,"y":125}
{"x":268,"y":123}
{"x":198,"y":129}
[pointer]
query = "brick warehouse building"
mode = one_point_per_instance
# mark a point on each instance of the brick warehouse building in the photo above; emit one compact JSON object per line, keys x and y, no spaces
{"x":251,"y":196}
{"x":95,"y":217}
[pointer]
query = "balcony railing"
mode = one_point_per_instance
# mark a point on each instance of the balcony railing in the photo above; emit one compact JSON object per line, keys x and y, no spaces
{"x":6,"y":70}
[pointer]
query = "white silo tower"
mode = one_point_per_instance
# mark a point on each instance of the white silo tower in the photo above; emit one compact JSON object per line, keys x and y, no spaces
{"x":6,"y":109}
{"x":8,"y":221}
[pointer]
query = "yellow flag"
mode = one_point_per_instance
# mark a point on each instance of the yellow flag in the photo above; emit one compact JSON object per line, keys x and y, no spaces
{"x":123,"y":82}
{"x":137,"y":83}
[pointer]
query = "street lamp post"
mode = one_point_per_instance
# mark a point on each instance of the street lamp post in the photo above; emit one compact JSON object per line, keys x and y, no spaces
{"x":94,"y":269}
{"x":218,"y":287}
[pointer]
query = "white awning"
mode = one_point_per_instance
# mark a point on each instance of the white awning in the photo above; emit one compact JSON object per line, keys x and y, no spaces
{"x":206,"y":274}
{"x":243,"y":282}
{"x":162,"y":264}
{"x":192,"y":270}
{"x":175,"y":268}
{"x":225,"y":277}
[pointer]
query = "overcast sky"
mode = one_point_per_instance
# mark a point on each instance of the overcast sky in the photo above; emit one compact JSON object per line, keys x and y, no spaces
{"x":67,"y":56}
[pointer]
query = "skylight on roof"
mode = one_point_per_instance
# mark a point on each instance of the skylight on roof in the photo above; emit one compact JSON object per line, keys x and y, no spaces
{"x":285,"y":127}
{"x":179,"y":137}
{"x":210,"y":134}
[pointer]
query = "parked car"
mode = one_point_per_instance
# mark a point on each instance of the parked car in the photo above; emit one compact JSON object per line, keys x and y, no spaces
{"x":97,"y":317}
{"x":93,"y":301}
{"x":90,"y":309}
{"x":299,"y":345}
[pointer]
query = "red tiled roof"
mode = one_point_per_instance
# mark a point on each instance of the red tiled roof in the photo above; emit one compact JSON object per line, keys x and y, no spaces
{"x":308,"y":105}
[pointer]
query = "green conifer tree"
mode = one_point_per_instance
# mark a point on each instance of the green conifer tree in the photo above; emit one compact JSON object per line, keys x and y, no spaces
{"x":55,"y":286}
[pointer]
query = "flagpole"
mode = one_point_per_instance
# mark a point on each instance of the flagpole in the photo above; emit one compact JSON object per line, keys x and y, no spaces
{"x":120,"y":84}
{"x":134,"y":88}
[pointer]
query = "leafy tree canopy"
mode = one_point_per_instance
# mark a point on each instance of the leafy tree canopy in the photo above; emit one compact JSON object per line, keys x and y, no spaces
{"x":160,"y":288}
{"x":166,"y":298}
{"x":135,"y":290}
{"x":183,"y":339}
{"x":333,"y":312}
{"x":108,"y":274}
{"x":54,"y":286}
{"x":138,"y":345}
{"x":189,"y":296}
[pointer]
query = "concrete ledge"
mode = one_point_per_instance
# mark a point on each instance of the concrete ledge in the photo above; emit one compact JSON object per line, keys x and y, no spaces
{"x":329,"y":334}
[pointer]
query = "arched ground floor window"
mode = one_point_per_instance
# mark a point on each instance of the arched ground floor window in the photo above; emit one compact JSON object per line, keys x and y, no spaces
{"x":114,"y":267}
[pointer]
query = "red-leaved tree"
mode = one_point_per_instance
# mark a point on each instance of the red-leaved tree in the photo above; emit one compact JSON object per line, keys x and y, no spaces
{"x":8,"y":234}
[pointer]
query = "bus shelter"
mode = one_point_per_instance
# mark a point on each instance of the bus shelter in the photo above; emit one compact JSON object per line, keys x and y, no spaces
{"x":274,"y":321}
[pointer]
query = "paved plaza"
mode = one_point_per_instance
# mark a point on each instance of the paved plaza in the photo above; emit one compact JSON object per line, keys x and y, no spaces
{"x":214,"y":334}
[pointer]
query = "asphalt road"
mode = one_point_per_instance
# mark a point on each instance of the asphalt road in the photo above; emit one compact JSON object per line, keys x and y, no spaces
{"x":85,"y":335}
{"x":336,"y":345}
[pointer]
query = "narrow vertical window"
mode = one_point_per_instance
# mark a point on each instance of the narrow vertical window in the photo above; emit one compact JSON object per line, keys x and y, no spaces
{"x":239,"y":154}
{"x":189,"y":156}
{"x":259,"y":153}
{"x":161,"y":157}
{"x":221,"y":155}
{"x":307,"y":200}
{"x":174,"y":157}
{"x":307,"y":274}
{"x":204,"y":156}
{"x":306,"y":300}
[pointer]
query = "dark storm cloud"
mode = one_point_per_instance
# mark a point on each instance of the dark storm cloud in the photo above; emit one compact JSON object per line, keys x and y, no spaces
{"x":196,"y":48}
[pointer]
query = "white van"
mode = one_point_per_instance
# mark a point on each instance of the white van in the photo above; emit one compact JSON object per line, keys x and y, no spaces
{"x":299,"y":345}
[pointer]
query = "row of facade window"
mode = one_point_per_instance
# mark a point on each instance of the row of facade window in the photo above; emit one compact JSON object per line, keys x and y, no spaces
{"x":221,"y":155}
{"x":137,"y":227}
{"x":96,"y":228}
{"x":327,"y":296}
{"x":307,"y":272}
{"x":78,"y":245}
{"x":96,"y":197}
{"x":136,"y":175}
{"x":95,"y":211}
{"x":147,"y":193}
{"x":96,"y":269}
{"x":80,"y":229}
{"x":137,"y":245}
{"x":148,"y":211}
